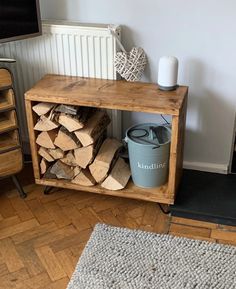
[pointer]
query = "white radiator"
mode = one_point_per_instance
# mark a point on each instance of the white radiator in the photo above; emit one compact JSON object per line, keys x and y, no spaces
{"x":64,"y":48}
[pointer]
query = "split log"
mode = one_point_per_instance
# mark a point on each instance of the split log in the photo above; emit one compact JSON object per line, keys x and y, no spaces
{"x":85,"y":112}
{"x":69,"y":159}
{"x":118,"y":177}
{"x":85,"y":155}
{"x":46,"y":139}
{"x":84,"y":178}
{"x":43,"y":108}
{"x":103,"y":161}
{"x":66,"y":140}
{"x":49,"y":175}
{"x":69,"y":109}
{"x":62,"y":171}
{"x":56,"y":153}
{"x":45,"y":124}
{"x":93,"y":128}
{"x":43,"y":152}
{"x":75,"y":122}
{"x":77,"y":170}
{"x":43,"y":166}
{"x":71,"y":123}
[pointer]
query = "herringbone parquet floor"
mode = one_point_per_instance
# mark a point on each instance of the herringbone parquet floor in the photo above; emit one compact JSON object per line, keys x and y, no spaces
{"x":42,"y":237}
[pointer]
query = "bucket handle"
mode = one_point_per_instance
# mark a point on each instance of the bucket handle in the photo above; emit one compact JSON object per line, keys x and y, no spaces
{"x":156,"y":145}
{"x":152,"y":129}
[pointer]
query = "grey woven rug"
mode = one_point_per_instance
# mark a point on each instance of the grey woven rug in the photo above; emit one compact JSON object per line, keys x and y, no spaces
{"x":126,"y":259}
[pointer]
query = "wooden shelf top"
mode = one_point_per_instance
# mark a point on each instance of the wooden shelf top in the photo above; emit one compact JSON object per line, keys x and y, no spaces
{"x":111,"y":94}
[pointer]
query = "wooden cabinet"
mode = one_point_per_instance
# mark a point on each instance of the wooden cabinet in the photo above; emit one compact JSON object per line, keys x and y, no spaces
{"x":11,"y":161}
{"x":120,"y":95}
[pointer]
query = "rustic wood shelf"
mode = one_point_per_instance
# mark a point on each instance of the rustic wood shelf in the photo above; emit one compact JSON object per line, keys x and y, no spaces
{"x":121,"y":95}
{"x":11,"y":160}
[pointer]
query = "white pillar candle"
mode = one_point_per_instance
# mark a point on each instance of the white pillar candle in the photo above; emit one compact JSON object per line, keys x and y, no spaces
{"x":167,"y":73}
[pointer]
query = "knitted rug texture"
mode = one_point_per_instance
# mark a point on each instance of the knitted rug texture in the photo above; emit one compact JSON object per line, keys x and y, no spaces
{"x":118,"y":258}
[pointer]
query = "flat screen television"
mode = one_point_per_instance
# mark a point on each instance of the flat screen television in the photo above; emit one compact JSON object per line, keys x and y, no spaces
{"x":19,"y":19}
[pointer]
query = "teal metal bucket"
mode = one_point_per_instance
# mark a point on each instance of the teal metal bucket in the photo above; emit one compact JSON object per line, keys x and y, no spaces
{"x":149,"y":151}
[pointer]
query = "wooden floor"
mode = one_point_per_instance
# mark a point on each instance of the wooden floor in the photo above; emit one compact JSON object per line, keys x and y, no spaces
{"x":42,"y":237}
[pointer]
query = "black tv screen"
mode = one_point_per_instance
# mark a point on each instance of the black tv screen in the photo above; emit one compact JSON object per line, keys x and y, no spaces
{"x":19,"y":19}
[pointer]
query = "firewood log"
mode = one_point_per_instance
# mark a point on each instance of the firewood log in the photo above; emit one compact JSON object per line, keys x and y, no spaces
{"x":85,"y":155}
{"x":69,"y":109}
{"x":56,"y":153}
{"x":85,"y":112}
{"x":84,"y":178}
{"x":75,"y":122}
{"x":69,"y":159}
{"x":45,"y":124}
{"x":46,"y":139}
{"x":43,"y":166}
{"x":103,"y":161}
{"x":71,"y":123}
{"x":118,"y":177}
{"x":77,"y":170}
{"x":93,"y":128}
{"x":43,"y":152}
{"x":43,"y":108}
{"x":49,"y":175}
{"x":66,"y":140}
{"x":62,"y":171}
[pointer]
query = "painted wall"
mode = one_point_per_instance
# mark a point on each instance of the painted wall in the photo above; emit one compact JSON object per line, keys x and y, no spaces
{"x":202,"y":35}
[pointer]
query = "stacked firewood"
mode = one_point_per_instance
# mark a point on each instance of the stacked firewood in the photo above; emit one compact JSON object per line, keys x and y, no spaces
{"x":73,"y":146}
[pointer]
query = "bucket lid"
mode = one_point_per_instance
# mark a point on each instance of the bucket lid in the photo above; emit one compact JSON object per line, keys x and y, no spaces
{"x":150,"y":134}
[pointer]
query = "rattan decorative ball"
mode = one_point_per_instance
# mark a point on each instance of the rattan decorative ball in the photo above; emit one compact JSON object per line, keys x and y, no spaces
{"x":130,"y":65}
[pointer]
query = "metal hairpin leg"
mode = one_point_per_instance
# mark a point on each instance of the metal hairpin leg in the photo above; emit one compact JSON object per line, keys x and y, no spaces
{"x":166,"y":212}
{"x":47,"y":190}
{"x":18,"y":187}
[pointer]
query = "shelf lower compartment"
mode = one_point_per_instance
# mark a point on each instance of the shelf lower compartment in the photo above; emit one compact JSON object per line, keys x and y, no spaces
{"x":115,"y":95}
{"x":157,"y":195}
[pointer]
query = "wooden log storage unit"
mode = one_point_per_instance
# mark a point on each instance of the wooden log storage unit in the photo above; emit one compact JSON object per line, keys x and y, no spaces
{"x":112,"y":94}
{"x":11,"y":161}
{"x":11,"y":158}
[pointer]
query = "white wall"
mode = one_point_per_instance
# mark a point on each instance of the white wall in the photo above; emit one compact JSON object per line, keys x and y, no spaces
{"x":202,"y":34}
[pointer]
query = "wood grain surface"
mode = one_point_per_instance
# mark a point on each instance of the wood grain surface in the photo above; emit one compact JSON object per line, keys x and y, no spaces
{"x":111,"y":94}
{"x":42,"y":237}
{"x":141,"y":97}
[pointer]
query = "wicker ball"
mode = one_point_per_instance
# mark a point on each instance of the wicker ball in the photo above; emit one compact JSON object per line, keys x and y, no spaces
{"x":130,"y":65}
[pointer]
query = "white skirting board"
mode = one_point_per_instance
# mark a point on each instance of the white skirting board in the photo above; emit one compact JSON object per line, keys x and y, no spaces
{"x":206,"y":167}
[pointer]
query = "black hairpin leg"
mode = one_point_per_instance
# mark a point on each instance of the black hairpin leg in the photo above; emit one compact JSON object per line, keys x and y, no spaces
{"x":18,"y":187}
{"x":47,"y":190}
{"x":166,"y":212}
